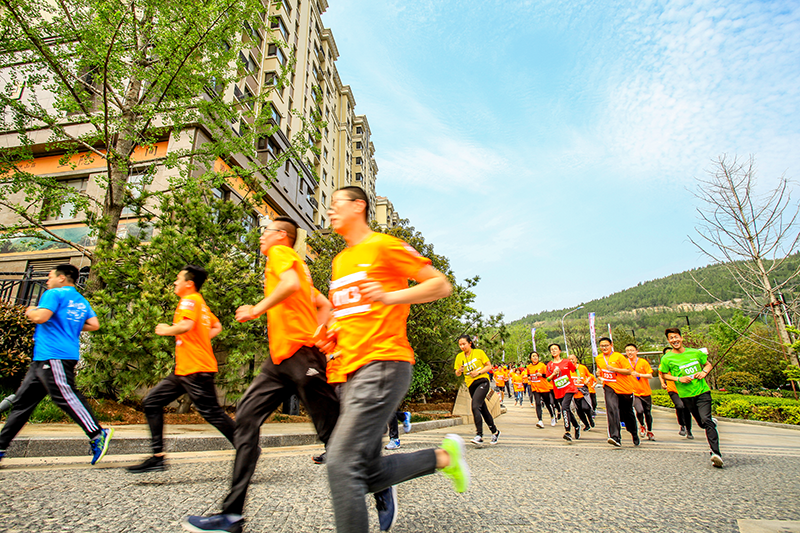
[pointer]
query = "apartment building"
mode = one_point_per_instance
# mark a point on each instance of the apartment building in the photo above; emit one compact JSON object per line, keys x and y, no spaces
{"x":343,"y":153}
{"x":385,"y":215}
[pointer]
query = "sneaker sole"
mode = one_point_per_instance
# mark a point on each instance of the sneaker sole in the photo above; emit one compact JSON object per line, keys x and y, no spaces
{"x":144,"y":471}
{"x":394,"y":516}
{"x":717,"y":461}
{"x":189,"y":527}
{"x":462,"y":461}
{"x":614,"y":443}
{"x":105,"y":446}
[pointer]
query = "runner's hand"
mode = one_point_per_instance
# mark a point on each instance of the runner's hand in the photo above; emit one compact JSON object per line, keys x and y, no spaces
{"x":244,"y":313}
{"x":373,"y":291}
{"x":474,"y":373}
{"x":161,"y":329}
{"x":326,"y":341}
{"x":686,"y":379}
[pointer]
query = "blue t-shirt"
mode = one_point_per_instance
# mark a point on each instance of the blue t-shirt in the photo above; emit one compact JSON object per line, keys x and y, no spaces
{"x":58,"y":337}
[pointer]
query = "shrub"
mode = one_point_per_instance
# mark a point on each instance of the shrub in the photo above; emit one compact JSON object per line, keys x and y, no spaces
{"x":420,"y":380}
{"x":16,"y":343}
{"x":791,"y":414}
{"x":735,"y":409}
{"x":738,"y":379}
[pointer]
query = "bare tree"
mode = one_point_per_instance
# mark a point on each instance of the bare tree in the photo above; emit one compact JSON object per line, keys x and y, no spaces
{"x":751,"y":235}
{"x":577,"y":334}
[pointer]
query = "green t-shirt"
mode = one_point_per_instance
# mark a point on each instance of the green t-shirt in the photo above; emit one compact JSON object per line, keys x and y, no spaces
{"x":476,"y":360}
{"x":688,"y":363}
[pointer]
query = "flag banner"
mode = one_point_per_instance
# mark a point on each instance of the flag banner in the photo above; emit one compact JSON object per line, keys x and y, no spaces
{"x":533,"y":338}
{"x":592,"y":335}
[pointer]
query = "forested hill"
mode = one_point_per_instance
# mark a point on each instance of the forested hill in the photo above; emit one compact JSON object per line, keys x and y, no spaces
{"x":667,"y":292}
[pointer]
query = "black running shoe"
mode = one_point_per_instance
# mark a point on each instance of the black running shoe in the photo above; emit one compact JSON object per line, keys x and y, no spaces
{"x":319,"y":459}
{"x":151,"y":464}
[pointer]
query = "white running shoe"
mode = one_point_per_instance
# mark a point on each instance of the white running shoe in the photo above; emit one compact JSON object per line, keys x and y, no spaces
{"x":477,"y":440}
{"x":553,"y":422}
{"x":539,"y":424}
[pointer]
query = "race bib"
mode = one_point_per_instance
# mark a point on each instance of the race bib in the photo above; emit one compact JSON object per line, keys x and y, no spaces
{"x":561,"y":382}
{"x":346,"y":295}
{"x":608,"y":375}
{"x":535,"y":378}
{"x":691,"y":369}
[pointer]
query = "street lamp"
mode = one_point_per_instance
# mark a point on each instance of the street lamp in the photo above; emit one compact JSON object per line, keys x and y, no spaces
{"x":563,"y":331}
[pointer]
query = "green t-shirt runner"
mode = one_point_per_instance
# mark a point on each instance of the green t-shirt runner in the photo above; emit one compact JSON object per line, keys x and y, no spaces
{"x":688,"y":363}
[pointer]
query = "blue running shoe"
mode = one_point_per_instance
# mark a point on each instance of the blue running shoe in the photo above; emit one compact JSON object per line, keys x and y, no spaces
{"x":219,"y":523}
{"x":407,"y":422}
{"x":2,"y":454}
{"x":386,"y":502}
{"x":393,"y":444}
{"x":100,"y":444}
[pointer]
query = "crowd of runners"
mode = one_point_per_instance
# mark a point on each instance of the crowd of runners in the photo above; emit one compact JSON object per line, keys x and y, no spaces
{"x":349,"y":361}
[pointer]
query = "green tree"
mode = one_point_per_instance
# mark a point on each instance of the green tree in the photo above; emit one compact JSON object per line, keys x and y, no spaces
{"x":102,"y":79}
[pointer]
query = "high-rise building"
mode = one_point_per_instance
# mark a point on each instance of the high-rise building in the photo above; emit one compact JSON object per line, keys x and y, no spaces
{"x":343,"y":154}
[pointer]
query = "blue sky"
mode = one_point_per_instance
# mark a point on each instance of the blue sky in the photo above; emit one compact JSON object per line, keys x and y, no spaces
{"x":552,"y":147}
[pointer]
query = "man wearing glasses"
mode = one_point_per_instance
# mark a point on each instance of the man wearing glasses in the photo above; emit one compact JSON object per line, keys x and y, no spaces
{"x":615,"y":374}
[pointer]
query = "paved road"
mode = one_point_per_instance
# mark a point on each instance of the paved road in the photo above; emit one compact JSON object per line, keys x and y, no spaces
{"x":531,"y":481}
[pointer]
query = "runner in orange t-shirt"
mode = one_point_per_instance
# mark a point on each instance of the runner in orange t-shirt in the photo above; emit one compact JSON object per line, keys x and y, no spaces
{"x":519,"y":387}
{"x":614,"y":373}
{"x":500,"y":382}
{"x":537,"y":372}
{"x":582,"y":401}
{"x":642,"y":395}
{"x":194,"y":325}
{"x":371,"y":301}
{"x":295,"y":310}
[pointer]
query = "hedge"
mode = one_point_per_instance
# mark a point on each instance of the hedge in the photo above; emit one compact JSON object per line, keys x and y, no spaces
{"x":764,"y":408}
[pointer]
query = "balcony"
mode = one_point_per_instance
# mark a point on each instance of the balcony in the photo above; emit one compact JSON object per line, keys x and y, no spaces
{"x":313,"y":201}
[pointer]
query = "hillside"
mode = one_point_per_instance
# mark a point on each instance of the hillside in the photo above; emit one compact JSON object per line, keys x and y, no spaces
{"x":644,"y":311}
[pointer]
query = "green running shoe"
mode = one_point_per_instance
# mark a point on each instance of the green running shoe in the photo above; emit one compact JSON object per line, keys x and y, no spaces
{"x":457,"y":471}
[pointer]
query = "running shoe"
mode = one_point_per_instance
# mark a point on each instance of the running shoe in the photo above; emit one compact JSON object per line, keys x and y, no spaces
{"x":220,"y":523}
{"x":682,"y":432}
{"x":386,"y":503}
{"x":393,"y":444}
{"x":407,"y":422}
{"x":716,"y":460}
{"x":577,"y":432}
{"x":689,"y":435}
{"x":151,"y":464}
{"x":586,"y":428}
{"x":2,"y":454}
{"x":457,"y":470}
{"x":319,"y":459}
{"x":539,"y":424}
{"x":99,"y":444}
{"x":716,"y":422}
{"x":477,"y":440}
{"x":553,"y":422}
{"x":650,"y":436}
{"x":642,"y":431}
{"x":622,"y":425}
{"x":612,"y":441}
{"x":636,"y":440}
{"x":567,"y":437}
{"x":495,"y":437}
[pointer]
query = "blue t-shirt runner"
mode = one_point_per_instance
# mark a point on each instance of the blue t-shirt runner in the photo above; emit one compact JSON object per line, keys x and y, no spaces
{"x":59,"y":337}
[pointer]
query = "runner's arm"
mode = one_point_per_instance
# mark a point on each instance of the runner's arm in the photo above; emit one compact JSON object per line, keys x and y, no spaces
{"x":484,"y":370}
{"x":289,"y":284}
{"x":323,"y":308}
{"x":91,"y":324}
{"x":431,"y":285}
{"x":165,"y":330}
{"x":215,"y":330}
{"x":38,"y":315}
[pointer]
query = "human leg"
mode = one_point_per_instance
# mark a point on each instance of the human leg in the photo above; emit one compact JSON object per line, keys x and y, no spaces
{"x":59,"y":379}
{"x":537,"y":400}
{"x":627,"y":415}
{"x":478,"y":391}
{"x":164,"y":393}
{"x":647,"y":407}
{"x":355,"y":466}
{"x":29,"y":394}
{"x":612,"y":412}
{"x":265,"y":394}
{"x":700,"y":407}
{"x":203,"y":393}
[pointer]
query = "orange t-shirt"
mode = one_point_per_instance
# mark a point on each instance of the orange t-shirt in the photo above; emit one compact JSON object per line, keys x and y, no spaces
{"x":516,"y":379}
{"x":333,"y":371}
{"x":193,"y":351}
{"x":581,"y":377}
{"x":621,"y":383}
{"x":538,"y":383}
{"x":291,"y":324}
{"x":671,"y":386}
{"x":372,"y":331}
{"x":499,"y":377}
{"x":641,"y":386}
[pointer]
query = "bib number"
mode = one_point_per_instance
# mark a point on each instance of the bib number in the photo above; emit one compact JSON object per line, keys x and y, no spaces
{"x":607,"y":375}
{"x":561,"y":382}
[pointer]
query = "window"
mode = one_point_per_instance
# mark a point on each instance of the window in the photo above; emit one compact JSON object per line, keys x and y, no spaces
{"x":270,"y":78}
{"x":274,"y":51}
{"x":136,"y":185}
{"x":79,"y":185}
{"x":359,"y":130}
{"x":324,"y":200}
{"x":248,"y":62}
{"x":358,"y":145}
{"x":248,"y":97}
{"x":325,"y":154}
{"x":254,"y":34}
{"x":274,"y":114}
{"x":359,"y":177}
{"x":324,"y":177}
{"x":358,"y":160}
{"x":277,"y":24}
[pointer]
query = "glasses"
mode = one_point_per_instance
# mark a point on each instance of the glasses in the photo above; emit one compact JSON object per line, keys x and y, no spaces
{"x":605,"y":346}
{"x":271,"y":229}
{"x":340,"y":200}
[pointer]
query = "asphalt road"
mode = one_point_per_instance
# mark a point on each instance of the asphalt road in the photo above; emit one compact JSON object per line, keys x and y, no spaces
{"x":531,"y":481}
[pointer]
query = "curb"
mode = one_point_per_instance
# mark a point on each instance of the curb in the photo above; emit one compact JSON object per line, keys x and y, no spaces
{"x":742,"y":420}
{"x":78,"y":446}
